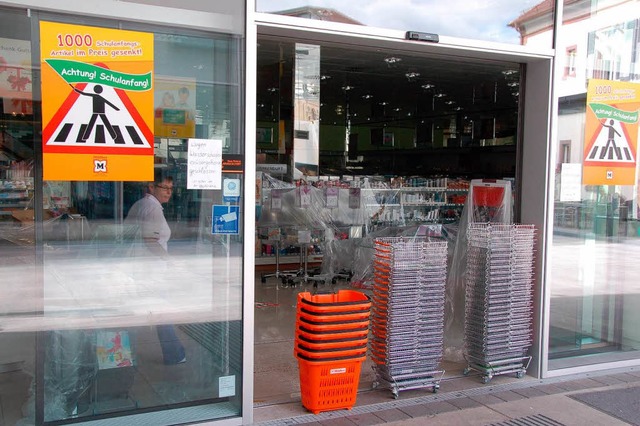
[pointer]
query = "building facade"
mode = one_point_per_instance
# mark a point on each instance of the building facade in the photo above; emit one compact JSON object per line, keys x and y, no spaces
{"x":111,"y":319}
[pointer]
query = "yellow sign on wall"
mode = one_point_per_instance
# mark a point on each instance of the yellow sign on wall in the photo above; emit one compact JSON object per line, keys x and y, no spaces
{"x":611,"y":133}
{"x":97,"y":103}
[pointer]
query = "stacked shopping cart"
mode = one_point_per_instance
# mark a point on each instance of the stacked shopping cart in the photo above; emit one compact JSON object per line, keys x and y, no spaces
{"x":331,"y":345}
{"x":408,"y":313}
{"x":499,"y":299}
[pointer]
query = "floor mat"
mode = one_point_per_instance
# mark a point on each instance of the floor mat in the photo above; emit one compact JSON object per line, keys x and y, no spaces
{"x":621,"y":403}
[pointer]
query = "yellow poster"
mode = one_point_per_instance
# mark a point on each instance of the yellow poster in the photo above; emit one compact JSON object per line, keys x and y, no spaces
{"x":97,"y":103}
{"x":611,"y":133}
{"x":175,"y":107}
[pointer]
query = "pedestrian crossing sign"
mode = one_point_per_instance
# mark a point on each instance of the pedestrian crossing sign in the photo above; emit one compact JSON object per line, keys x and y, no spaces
{"x":97,"y":103}
{"x":611,"y":133}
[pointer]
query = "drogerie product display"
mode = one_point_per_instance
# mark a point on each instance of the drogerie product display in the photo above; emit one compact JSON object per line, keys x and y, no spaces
{"x":408,"y":313}
{"x":499,"y":299}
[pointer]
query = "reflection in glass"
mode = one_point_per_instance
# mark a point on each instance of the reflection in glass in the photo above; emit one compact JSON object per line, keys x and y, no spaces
{"x":594,"y":287}
{"x":142,"y":303}
{"x":501,"y":21}
{"x":20,"y":295}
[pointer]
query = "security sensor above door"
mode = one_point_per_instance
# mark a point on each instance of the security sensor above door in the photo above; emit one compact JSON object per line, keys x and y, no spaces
{"x":418,"y":36}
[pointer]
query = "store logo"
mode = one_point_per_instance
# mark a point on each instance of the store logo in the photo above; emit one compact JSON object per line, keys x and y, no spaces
{"x":100,"y":166}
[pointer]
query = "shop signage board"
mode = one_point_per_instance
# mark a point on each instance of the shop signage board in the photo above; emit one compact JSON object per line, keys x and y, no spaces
{"x":97,"y":103}
{"x":611,"y":133}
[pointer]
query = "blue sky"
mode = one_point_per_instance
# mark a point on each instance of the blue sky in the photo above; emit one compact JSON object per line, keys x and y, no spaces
{"x":479,"y":19}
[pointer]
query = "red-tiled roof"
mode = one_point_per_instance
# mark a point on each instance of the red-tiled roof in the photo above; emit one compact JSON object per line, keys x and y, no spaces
{"x":541,"y":8}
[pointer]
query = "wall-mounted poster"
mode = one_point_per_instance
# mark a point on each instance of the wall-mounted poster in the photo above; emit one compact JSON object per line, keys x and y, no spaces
{"x":15,"y":76}
{"x":611,"y":133}
{"x":175,"y":107}
{"x":97,"y":103}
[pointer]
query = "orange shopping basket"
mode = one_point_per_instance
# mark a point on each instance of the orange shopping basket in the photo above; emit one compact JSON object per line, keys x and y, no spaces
{"x":330,"y":384}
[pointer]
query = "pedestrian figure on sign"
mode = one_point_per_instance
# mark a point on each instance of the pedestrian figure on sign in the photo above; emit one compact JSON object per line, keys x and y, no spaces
{"x":99,"y":103}
{"x":610,"y":140}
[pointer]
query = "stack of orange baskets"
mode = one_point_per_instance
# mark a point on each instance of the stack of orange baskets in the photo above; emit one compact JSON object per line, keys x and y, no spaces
{"x":331,"y":345}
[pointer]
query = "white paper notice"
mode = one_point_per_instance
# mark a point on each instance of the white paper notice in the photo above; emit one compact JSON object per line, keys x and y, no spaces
{"x":571,"y":182}
{"x":204,"y":164}
{"x":226,"y":386}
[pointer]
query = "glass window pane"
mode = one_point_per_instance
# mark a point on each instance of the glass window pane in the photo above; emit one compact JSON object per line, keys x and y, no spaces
{"x":506,"y":21}
{"x":20,"y":295}
{"x":124,"y":330}
{"x":594,"y":292}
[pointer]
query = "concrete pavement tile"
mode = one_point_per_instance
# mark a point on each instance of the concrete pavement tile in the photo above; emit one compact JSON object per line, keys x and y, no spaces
{"x":549,"y":389}
{"x":529,"y":392}
{"x":471,"y":417}
{"x":509,"y":396}
{"x":487,"y":399}
{"x":608,"y":380}
{"x":392,"y":415}
{"x":580,"y":384}
{"x":464,"y":403}
{"x":311,"y":424}
{"x":442,"y":407}
{"x":634,"y":373}
{"x":366,"y":419}
{"x":280,"y":411}
{"x":627,"y":378}
{"x":338,"y":421}
{"x":418,"y":410}
{"x":560,"y":408}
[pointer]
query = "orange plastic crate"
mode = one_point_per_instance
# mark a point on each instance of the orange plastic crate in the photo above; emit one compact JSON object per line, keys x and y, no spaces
{"x":342,"y":300}
{"x":329,"y":385}
{"x":351,"y":333}
{"x":320,"y":354}
{"x":325,"y":326}
{"x":330,"y":343}
{"x":333,"y":317}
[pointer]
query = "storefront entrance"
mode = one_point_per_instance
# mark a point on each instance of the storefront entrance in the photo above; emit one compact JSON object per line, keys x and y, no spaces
{"x":408,"y":128}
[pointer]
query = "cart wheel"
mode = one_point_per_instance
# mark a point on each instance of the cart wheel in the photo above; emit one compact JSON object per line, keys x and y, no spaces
{"x":435,"y":388}
{"x":374,"y":385}
{"x":395,"y":394}
{"x":466,"y":371}
{"x":486,"y":379}
{"x":520,"y":374}
{"x":333,"y":281}
{"x":263,"y":280}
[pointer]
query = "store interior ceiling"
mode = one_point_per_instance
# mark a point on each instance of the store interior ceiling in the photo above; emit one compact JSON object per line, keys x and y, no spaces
{"x":372,"y":86}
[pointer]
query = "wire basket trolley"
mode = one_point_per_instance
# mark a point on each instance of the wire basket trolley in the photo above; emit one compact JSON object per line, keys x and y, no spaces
{"x":407,"y":320}
{"x":498,"y":299}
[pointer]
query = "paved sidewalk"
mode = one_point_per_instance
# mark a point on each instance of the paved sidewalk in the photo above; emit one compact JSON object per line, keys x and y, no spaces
{"x":516,"y":403}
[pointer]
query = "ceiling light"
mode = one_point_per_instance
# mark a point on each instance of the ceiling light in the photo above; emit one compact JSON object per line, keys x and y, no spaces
{"x":383,"y":103}
{"x":367,"y":96}
{"x":428,"y":86}
{"x":412,"y":75}
{"x":450,"y":102}
{"x":325,"y":77}
{"x":439,"y":95}
{"x":509,"y":72}
{"x":392,"y":60}
{"x":347,"y":88}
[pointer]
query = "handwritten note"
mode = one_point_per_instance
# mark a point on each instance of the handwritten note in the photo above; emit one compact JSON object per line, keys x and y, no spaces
{"x":204,"y":164}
